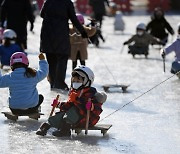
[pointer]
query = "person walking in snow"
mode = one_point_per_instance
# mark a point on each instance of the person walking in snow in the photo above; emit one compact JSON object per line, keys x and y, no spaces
{"x":141,"y":41}
{"x":82,"y":97}
{"x":14,"y":15}
{"x":78,"y":44}
{"x":99,"y":9}
{"x":22,"y":82}
{"x":8,"y":47}
{"x":175,"y":46}
{"x":158,"y":26}
{"x":55,"y":41}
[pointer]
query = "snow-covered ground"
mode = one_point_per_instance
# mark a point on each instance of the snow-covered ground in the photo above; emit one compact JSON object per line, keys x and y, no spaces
{"x":148,"y":125}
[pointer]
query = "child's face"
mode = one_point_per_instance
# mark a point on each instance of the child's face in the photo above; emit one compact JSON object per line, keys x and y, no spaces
{"x":77,"y":79}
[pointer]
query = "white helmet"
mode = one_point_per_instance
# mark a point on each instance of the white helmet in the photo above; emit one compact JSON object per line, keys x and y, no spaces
{"x":9,"y":33}
{"x":86,"y":73}
{"x":141,"y":26}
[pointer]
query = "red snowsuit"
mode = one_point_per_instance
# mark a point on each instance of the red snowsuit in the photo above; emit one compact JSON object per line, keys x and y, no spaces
{"x":79,"y":98}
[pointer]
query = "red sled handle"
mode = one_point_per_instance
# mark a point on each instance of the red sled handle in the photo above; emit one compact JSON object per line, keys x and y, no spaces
{"x":54,"y":105}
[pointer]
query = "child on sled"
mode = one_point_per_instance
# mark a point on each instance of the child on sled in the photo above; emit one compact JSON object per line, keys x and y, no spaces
{"x":82,"y":97}
{"x":141,"y":41}
{"x":8,"y":47}
{"x":175,"y":46}
{"x":78,"y":43}
{"x":22,"y":81}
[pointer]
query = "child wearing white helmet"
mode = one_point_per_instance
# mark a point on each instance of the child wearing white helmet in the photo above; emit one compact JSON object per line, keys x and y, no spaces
{"x":141,"y":41}
{"x":78,"y":43}
{"x":22,"y":81}
{"x":175,"y":46}
{"x":8,"y":47}
{"x":82,"y":97}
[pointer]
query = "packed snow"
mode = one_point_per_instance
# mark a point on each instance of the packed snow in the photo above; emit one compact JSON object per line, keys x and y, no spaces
{"x":148,"y":125}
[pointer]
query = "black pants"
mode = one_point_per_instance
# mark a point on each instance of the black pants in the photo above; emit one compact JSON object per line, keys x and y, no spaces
{"x":82,"y":62}
{"x":57,"y":70}
{"x":30,"y":110}
{"x":138,"y":50}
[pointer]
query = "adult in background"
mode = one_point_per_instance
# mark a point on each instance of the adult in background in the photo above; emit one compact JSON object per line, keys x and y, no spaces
{"x":17,"y":13}
{"x":99,"y":9}
{"x":159,"y":26}
{"x":55,"y":41}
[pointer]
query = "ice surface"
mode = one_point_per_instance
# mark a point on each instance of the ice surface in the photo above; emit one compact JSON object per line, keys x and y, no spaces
{"x":149,"y":125}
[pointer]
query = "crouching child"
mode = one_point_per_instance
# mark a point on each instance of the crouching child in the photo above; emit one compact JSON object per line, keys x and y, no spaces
{"x":73,"y":112}
{"x":141,"y":41}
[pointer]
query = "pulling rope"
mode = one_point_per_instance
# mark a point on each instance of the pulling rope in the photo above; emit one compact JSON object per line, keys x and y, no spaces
{"x":139,"y":96}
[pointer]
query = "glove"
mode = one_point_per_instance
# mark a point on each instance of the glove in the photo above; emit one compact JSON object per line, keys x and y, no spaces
{"x":163,"y":54}
{"x":55,"y":103}
{"x":32,"y":27}
{"x":84,"y":34}
{"x":89,"y":106}
{"x":125,"y":43}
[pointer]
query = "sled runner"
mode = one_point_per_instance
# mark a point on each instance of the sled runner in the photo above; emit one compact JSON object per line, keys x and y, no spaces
{"x":123,"y":87}
{"x":11,"y":116}
{"x":102,"y":127}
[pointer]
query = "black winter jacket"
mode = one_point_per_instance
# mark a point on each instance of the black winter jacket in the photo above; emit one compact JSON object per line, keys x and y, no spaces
{"x":55,"y":26}
{"x":158,"y":28}
{"x":17,"y":13}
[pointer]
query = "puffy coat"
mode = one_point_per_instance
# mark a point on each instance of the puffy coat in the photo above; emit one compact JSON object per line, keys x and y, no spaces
{"x":17,"y":13}
{"x":79,"y":44}
{"x":79,"y":99}
{"x":23,"y":93}
{"x":158,"y":28}
{"x":143,"y":41}
{"x":55,"y":26}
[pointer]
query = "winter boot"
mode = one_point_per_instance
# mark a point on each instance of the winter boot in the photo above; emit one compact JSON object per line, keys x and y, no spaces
{"x":64,"y":132}
{"x":43,"y":129}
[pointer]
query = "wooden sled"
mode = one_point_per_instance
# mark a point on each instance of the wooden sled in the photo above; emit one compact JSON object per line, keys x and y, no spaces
{"x":13,"y":117}
{"x":102,"y":127}
{"x":123,"y":87}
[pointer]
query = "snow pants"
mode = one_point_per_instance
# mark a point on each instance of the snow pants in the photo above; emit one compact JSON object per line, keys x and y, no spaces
{"x":133,"y":49}
{"x":175,"y":67}
{"x":70,"y":117}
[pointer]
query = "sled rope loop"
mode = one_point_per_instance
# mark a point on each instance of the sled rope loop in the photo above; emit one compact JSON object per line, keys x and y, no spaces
{"x":104,"y":63}
{"x":139,"y":96}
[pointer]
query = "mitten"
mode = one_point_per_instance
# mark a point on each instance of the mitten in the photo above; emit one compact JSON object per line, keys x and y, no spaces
{"x":125,"y":43}
{"x":163,"y":54}
{"x":55,"y":103}
{"x":89,"y":106}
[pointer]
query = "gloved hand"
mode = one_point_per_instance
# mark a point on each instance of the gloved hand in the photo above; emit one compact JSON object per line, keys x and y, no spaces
{"x":125,"y":43}
{"x":31,"y":26}
{"x":163,"y":54}
{"x":89,"y":106}
{"x":84,"y":34}
{"x":55,"y":103}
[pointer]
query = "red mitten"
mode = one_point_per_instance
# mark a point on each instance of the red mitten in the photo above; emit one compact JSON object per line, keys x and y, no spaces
{"x":89,"y":106}
{"x":55,"y":103}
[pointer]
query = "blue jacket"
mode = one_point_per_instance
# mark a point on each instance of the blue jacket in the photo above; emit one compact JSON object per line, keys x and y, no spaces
{"x":23,"y":91}
{"x":6,"y":52}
